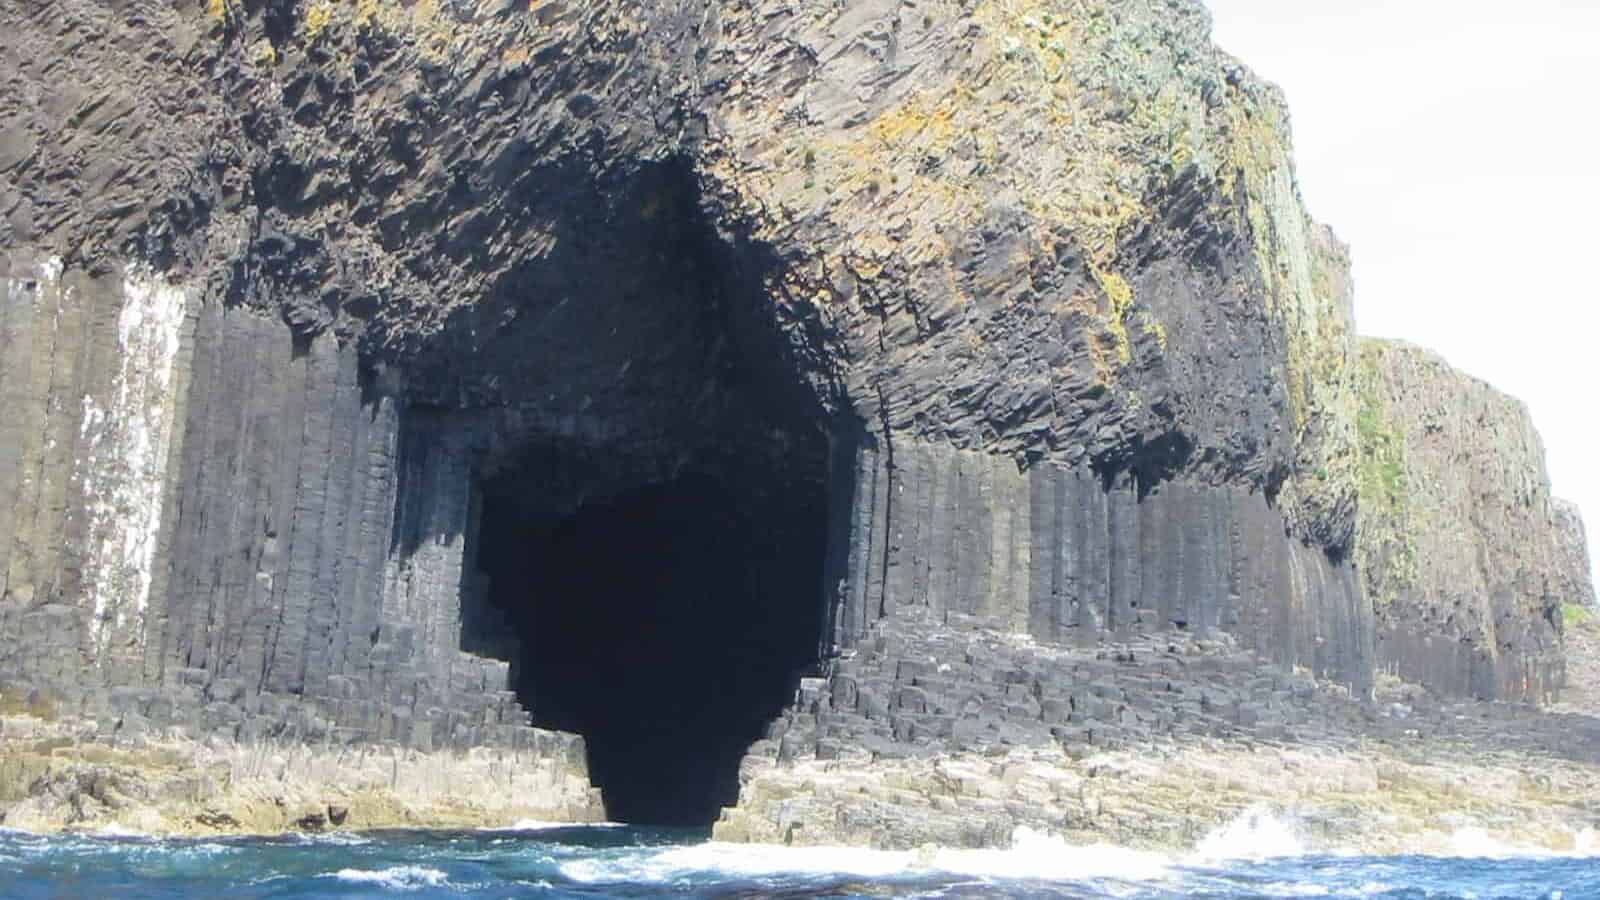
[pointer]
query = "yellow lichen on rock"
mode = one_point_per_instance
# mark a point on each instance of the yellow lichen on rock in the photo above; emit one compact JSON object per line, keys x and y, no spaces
{"x":318,"y":16}
{"x":1120,"y":295}
{"x":1035,"y":109}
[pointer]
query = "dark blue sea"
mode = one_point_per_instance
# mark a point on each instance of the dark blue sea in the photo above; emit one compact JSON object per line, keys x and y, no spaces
{"x":616,"y":861}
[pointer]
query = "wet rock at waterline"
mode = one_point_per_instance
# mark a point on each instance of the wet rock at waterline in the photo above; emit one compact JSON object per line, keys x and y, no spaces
{"x":468,"y":378}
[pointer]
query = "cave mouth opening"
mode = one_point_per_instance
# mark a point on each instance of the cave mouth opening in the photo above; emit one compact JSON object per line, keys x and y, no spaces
{"x":651,"y":434}
{"x":666,"y":622}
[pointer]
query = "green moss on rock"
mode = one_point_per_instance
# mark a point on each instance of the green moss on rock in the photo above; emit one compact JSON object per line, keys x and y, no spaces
{"x":1388,"y":553}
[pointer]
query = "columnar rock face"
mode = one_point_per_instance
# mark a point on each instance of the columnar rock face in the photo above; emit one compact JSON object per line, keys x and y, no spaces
{"x":93,"y":392}
{"x":1063,"y":556}
{"x":1024,"y":290}
{"x":1459,"y":540}
{"x":195,"y":498}
{"x":1573,"y":555}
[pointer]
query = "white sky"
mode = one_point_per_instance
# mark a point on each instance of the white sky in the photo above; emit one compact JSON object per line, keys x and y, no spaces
{"x":1455,"y":145}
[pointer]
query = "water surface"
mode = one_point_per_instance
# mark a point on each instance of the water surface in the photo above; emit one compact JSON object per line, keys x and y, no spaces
{"x":616,"y":861}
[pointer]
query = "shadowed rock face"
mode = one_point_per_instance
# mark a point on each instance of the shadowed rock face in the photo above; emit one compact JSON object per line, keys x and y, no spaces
{"x":995,"y":309}
{"x":440,"y":186}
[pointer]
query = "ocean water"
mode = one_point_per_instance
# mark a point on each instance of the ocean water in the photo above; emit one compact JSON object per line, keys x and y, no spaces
{"x":1253,"y":859}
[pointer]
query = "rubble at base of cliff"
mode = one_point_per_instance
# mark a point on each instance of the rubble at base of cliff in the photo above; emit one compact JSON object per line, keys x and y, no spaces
{"x":948,"y":731}
{"x":943,"y":730}
{"x":66,"y":773}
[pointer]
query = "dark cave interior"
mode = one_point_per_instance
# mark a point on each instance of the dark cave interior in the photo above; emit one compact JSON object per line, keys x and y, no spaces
{"x":653,"y":502}
{"x":666,"y":624}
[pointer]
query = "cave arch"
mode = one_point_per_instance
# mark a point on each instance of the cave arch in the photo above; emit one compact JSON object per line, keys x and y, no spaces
{"x":649,"y":471}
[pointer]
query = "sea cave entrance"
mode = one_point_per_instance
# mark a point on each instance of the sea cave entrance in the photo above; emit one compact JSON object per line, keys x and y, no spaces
{"x":651,"y":483}
{"x":666,"y":622}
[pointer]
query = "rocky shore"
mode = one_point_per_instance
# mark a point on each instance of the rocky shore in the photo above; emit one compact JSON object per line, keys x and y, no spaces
{"x":941,"y":731}
{"x":1373,"y":797}
{"x":955,"y":733}
{"x":63,"y":775}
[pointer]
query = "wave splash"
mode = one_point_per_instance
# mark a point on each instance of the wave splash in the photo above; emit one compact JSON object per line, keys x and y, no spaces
{"x":544,"y":825}
{"x":1478,"y":843}
{"x":400,"y":878}
{"x":1258,"y":833}
{"x":1033,"y":855}
{"x":1260,"y":854}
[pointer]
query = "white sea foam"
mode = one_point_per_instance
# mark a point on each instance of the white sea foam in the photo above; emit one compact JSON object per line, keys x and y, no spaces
{"x":1032,"y":855}
{"x":1479,"y":844}
{"x":337,"y":838}
{"x":401,"y":878}
{"x":117,"y":831}
{"x":541,"y":825}
{"x":208,"y":848}
{"x":1036,"y":854}
{"x":1472,"y":842}
{"x":1258,"y":833}
{"x":1293,"y":889}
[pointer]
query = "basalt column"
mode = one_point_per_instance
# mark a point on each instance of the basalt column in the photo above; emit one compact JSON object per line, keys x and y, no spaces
{"x":1073,"y":557}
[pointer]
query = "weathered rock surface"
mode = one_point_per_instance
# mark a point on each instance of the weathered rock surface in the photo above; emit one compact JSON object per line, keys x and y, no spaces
{"x":1460,"y":543}
{"x":1580,"y":643}
{"x":1572,"y":549}
{"x":1058,"y":554}
{"x":1378,"y":799}
{"x":1021,"y":292}
{"x":67,"y":773}
{"x":957,"y":732}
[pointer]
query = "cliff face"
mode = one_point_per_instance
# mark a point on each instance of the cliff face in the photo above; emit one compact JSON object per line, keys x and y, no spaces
{"x":1572,"y":549}
{"x":1000,"y":309}
{"x":1460,"y":543}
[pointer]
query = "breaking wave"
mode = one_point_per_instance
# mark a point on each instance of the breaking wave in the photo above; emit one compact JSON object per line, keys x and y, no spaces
{"x":1260,"y":854}
{"x":395,"y":877}
{"x":542,"y":825}
{"x":1033,"y":855}
{"x":1477,"y":843}
{"x":1258,"y":833}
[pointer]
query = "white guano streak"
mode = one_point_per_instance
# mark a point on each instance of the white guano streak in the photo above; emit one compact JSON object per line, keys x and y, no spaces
{"x":124,"y":466}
